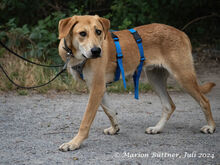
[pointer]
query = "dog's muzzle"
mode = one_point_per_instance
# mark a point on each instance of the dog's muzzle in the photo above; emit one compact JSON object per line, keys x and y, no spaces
{"x":96,"y":52}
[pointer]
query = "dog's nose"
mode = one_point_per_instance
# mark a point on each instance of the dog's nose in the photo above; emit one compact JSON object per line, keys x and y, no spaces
{"x":96,"y":52}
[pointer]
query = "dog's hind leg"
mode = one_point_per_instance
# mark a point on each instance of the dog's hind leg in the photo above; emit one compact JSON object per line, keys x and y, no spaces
{"x":111,"y":113}
{"x":188,"y":81}
{"x":158,"y":78}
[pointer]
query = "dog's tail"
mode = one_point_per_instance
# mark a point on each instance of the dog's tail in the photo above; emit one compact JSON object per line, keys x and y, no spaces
{"x":207,"y":87}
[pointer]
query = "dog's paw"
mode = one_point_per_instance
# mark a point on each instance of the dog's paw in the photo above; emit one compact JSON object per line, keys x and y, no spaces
{"x":208,"y":129}
{"x":152,"y":130}
{"x":68,"y":147}
{"x":111,"y":130}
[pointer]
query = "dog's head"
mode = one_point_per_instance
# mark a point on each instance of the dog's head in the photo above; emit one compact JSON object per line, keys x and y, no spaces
{"x":85,"y":34}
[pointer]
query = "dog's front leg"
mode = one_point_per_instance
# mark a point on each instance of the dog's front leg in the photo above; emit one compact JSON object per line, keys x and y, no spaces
{"x":96,"y":93}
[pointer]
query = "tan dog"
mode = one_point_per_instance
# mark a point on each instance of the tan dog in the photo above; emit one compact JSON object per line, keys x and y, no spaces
{"x":167,"y":51}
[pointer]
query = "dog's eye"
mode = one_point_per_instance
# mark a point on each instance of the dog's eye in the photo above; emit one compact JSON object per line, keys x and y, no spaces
{"x":98,"y":32}
{"x":83,"y":34}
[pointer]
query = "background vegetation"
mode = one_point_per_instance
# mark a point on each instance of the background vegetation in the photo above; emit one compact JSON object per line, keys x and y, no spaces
{"x":30,"y":28}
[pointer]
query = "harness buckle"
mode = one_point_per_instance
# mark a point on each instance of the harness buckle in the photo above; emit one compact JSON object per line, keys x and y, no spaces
{"x":139,"y":40}
{"x":142,"y":59}
{"x":115,"y":39}
{"x":119,"y":55}
{"x":136,"y":36}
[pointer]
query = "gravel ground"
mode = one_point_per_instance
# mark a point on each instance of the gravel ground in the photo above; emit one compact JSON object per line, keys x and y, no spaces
{"x":32,"y":127}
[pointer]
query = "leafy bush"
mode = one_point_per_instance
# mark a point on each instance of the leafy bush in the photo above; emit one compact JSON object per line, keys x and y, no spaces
{"x":30,"y":27}
{"x":130,"y":13}
{"x":35,"y":34}
{"x":38,"y":41}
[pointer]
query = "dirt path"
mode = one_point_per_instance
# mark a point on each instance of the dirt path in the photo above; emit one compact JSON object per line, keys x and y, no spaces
{"x":32,"y":127}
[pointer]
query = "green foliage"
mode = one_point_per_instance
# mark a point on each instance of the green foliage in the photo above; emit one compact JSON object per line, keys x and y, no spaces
{"x":129,"y":13}
{"x":44,"y":35}
{"x":30,"y":27}
{"x":38,"y":40}
{"x":22,"y":92}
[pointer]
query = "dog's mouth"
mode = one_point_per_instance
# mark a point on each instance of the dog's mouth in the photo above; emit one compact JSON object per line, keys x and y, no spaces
{"x":84,"y":56}
{"x":92,"y":57}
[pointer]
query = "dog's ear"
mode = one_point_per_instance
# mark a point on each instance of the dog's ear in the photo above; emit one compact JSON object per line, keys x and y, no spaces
{"x":105,"y":25}
{"x":65,"y":25}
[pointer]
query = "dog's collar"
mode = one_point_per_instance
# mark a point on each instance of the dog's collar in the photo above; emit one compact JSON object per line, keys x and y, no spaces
{"x":79,"y":67}
{"x":67,"y":49}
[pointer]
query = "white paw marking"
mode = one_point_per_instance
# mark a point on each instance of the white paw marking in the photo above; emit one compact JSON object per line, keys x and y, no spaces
{"x":111,"y":130}
{"x":68,"y":147}
{"x":152,"y":130}
{"x":208,"y":129}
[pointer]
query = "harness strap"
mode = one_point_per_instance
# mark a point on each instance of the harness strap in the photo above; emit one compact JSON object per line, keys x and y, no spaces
{"x":79,"y":68}
{"x":120,"y":68}
{"x":137,"y":73}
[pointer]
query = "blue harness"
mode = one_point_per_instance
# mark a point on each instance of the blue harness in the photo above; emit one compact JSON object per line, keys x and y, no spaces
{"x":120,"y":68}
